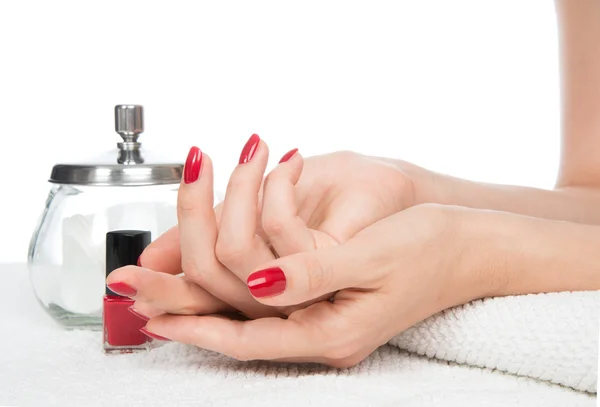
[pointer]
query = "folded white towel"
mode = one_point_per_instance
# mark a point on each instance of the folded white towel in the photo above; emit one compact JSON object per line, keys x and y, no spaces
{"x":43,"y":365}
{"x":549,"y":337}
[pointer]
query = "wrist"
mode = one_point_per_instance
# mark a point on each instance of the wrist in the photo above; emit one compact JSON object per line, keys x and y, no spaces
{"x":461,"y":256}
{"x":425,"y":183}
{"x":481,"y":254}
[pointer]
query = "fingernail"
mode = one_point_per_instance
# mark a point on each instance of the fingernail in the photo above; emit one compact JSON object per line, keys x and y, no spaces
{"x":137,"y":314}
{"x":123,"y":289}
{"x":193,"y":165}
{"x":288,"y":155}
{"x":267,"y":283}
{"x":139,"y":262}
{"x":249,"y":149}
{"x":153,"y":335}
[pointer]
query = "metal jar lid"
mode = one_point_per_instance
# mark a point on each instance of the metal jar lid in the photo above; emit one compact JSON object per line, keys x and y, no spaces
{"x":128,"y":165}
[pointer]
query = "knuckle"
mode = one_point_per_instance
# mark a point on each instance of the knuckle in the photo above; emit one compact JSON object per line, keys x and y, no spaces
{"x":187,"y":205}
{"x":318,"y":275}
{"x":272,"y":225}
{"x":191,"y":270}
{"x":238,"y":180}
{"x":230,"y":252}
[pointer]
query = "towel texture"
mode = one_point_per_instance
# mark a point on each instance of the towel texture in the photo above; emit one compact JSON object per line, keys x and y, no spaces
{"x":550,"y":337}
{"x":43,"y":365}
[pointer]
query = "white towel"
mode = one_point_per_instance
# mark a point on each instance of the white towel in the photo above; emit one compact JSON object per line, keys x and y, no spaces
{"x":43,"y":365}
{"x":549,"y":337}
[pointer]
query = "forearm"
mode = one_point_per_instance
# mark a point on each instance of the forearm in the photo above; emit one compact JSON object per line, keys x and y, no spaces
{"x":579,"y":40}
{"x":577,"y":197}
{"x":515,"y":255}
{"x":576,"y":204}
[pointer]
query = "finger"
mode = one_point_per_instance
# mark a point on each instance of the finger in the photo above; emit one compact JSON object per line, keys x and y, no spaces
{"x":145,"y":311}
{"x":260,"y":339}
{"x":324,"y":332}
{"x":164,"y":292}
{"x":238,"y":247}
{"x":305,"y":276}
{"x":198,"y":236}
{"x":286,"y":231}
{"x":259,"y":231}
{"x":163,"y":254}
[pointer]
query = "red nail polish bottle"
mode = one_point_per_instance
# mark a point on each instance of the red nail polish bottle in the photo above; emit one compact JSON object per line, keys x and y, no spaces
{"x":121,"y":328}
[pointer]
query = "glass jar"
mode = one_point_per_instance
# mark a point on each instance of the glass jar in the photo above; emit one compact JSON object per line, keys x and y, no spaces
{"x":126,"y":188}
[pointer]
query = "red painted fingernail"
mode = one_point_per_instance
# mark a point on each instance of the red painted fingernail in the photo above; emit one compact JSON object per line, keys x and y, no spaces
{"x":137,"y":314}
{"x":267,"y":283}
{"x":122,"y":289}
{"x":249,"y":149}
{"x":153,"y":335}
{"x":193,"y":165}
{"x":288,"y":155}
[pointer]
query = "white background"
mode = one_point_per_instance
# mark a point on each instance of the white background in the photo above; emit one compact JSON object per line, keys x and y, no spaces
{"x":469,"y":88}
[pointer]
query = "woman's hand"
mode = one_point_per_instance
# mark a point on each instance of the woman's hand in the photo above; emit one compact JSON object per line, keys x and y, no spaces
{"x":217,"y":260}
{"x":207,"y":286}
{"x":301,"y":206}
{"x":337,"y":194}
{"x":388,"y":277}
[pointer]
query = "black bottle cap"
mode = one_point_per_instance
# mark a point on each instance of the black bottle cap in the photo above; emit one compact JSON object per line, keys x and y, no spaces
{"x":123,"y":248}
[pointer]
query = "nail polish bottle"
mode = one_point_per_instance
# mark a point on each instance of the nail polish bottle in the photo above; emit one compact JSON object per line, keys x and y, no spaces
{"x":121,"y":329}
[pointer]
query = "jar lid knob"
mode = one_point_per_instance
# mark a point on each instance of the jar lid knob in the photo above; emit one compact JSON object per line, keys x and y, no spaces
{"x":129,"y":123}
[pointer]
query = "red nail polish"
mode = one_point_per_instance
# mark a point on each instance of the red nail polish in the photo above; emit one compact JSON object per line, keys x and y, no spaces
{"x":122,"y":289}
{"x":193,"y":165}
{"x":120,"y":326}
{"x":249,"y":149}
{"x":153,"y":335}
{"x":288,"y":155}
{"x":137,"y":314}
{"x":267,"y":283}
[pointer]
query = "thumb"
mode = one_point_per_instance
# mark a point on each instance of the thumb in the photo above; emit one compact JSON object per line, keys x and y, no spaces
{"x":302,"y":277}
